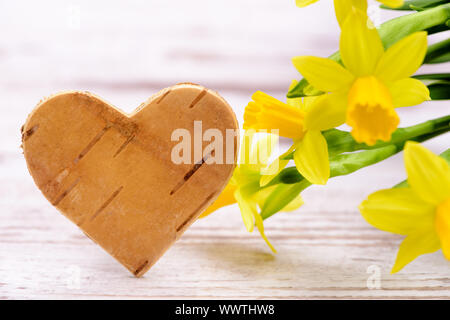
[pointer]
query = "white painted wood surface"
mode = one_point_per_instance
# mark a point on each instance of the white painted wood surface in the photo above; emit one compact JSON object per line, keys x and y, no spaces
{"x":124,"y":52}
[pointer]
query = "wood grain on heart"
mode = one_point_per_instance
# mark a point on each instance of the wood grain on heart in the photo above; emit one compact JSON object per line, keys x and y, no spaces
{"x":112,"y":175}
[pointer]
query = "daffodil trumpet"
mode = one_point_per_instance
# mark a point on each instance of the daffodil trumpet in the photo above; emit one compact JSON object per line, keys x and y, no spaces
{"x":390,"y":32}
{"x":300,"y":120}
{"x":372,"y":82}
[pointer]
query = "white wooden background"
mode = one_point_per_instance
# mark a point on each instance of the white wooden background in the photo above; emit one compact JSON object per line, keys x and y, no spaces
{"x":125,"y":51}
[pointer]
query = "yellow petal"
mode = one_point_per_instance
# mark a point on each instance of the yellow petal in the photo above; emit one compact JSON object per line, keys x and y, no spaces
{"x":304,"y":3}
{"x":392,"y":3}
{"x":360,"y":46}
{"x":309,"y":90}
{"x":343,"y":7}
{"x":327,"y":111}
{"x":322,"y":73}
{"x":263,"y":149}
{"x":225,"y":198}
{"x":256,"y":149}
{"x":246,"y":146}
{"x":270,"y":172}
{"x":443,"y":226}
{"x":403,"y":58}
{"x":311,"y":158}
{"x":428,"y":174}
{"x":261,"y":195}
{"x":408,"y":92}
{"x":397,"y":210}
{"x":248,"y":210}
{"x":294,"y":204}
{"x":370,"y":111}
{"x":292,"y":84}
{"x":308,"y":102}
{"x":302,"y":103}
{"x":260,"y":226}
{"x":414,"y":245}
{"x":295,"y":102}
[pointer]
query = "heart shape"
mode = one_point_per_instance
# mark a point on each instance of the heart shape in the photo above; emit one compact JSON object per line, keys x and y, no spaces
{"x":112,"y":174}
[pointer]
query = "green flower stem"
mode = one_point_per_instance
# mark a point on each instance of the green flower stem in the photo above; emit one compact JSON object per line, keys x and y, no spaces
{"x":446,"y":155}
{"x":438,"y":52}
{"x":290,"y":182}
{"x":342,"y":141}
{"x":396,"y":29}
{"x":438,"y":84}
{"x":281,"y":196}
{"x":390,"y":32}
{"x":418,"y":5}
{"x":439,"y":28}
{"x":432,"y":76}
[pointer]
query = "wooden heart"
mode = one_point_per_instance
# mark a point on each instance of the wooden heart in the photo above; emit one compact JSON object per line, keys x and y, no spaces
{"x":112,"y":175}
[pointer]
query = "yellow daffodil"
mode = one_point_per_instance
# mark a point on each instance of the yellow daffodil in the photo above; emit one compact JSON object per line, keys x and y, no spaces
{"x":420,"y":211}
{"x":342,"y":7}
{"x":373,"y":81}
{"x":300,"y":120}
{"x":244,"y":187}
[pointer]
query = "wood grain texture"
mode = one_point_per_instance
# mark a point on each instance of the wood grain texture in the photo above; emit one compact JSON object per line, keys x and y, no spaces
{"x":324,"y":249}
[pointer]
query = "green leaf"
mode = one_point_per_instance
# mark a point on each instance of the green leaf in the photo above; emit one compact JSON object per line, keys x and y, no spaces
{"x":418,"y":5}
{"x":288,"y":175}
{"x":446,"y":155}
{"x":435,"y":76}
{"x":281,"y":197}
{"x":438,"y":84}
{"x":440,"y":90}
{"x":439,"y":28}
{"x":445,"y":57}
{"x":342,"y":141}
{"x":390,"y":32}
{"x":438,"y":52}
{"x":342,"y":164}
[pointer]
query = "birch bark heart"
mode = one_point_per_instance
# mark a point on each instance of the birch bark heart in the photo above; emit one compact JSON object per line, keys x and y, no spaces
{"x":111,"y":173}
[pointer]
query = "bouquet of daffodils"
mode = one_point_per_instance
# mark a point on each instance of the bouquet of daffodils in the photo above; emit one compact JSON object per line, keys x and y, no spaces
{"x":361,"y":85}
